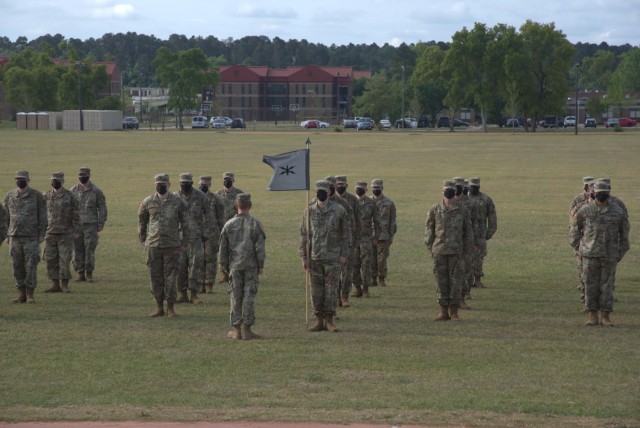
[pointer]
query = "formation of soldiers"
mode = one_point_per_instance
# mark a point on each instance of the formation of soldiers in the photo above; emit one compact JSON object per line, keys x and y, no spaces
{"x":599,"y":236}
{"x":67,"y":221}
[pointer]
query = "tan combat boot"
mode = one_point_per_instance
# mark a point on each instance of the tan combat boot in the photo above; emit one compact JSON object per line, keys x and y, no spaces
{"x":463,"y":305}
{"x":159,"y":310}
{"x":30,"y":298}
{"x":64,"y":285}
{"x":89,"y":276}
{"x":234,"y":333}
{"x":605,"y":320}
{"x":55,"y":287}
{"x":593,"y":318}
{"x":22,"y":296}
{"x":224,"y":277}
{"x":443,"y":315}
{"x":357,"y":292}
{"x":328,"y":320}
{"x":81,"y":277}
{"x":194,"y":298}
{"x":319,"y":325}
{"x":478,"y":282}
{"x":208,"y":288}
{"x":381,"y":281}
{"x":184,"y":297}
{"x":170,"y":312}
{"x":453,"y":313}
{"x":247,"y":334}
{"x":345,"y":300}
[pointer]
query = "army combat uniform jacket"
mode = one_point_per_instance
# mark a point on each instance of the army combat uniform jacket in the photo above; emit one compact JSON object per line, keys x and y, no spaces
{"x":448,"y":230}
{"x":242,"y":244}
{"x":26,"y":214}
{"x":601,"y":234}
{"x":161,"y":223}
{"x":330,"y":232}
{"x":63,"y":211}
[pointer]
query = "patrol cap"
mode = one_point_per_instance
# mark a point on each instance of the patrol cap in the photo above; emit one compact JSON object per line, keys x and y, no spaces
{"x":602,"y":187}
{"x":341,"y":179}
{"x":587,"y":179}
{"x":448,"y":184}
{"x":474,"y":181}
{"x":361,"y":185}
{"x":162,"y":178}
{"x":606,"y":180}
{"x":22,"y":175}
{"x":466,"y":183}
{"x":322,"y":185}
{"x":57,"y":176}
{"x":459,"y":181}
{"x":205,"y":179}
{"x":230,"y":175}
{"x":243,"y":197}
{"x":84,"y":171}
{"x":331,"y":179}
{"x":376,"y":182}
{"x":186,"y":177}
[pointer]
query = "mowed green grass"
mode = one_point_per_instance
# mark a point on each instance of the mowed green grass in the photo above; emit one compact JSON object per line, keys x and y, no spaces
{"x":520,"y":357}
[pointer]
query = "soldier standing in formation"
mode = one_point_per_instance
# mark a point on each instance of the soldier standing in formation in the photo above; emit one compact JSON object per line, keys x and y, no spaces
{"x":346,"y":278}
{"x":487,"y":226}
{"x":63,"y":210}
{"x":93,"y":212}
{"x":325,"y":241}
{"x":388,"y":229}
{"x":600,"y":234}
{"x":242,"y":255}
{"x":471,"y":206}
{"x":210,"y":267}
{"x":228,"y":195}
{"x":190,"y":263}
{"x":163,"y":228}
{"x":449,"y":239}
{"x":586,"y":196}
{"x":369,"y":232}
{"x":27,"y":223}
{"x":3,"y":224}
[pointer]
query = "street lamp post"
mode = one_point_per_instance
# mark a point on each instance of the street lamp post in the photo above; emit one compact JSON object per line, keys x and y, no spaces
{"x":577,"y":64}
{"x":79,"y":68}
{"x":402,"y":96}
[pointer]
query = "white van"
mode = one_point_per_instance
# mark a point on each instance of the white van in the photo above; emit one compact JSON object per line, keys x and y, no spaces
{"x":199,"y":122}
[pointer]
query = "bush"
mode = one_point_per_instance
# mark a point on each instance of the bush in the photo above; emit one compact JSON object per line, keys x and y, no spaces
{"x":618,"y":128}
{"x":337,"y":129}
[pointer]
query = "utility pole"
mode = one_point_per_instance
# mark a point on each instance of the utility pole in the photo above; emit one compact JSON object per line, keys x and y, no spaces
{"x":403,"y":96}
{"x":79,"y":68}
{"x":577,"y":64}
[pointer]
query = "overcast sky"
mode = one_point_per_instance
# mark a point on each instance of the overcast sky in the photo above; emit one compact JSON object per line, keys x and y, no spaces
{"x":328,"y":22}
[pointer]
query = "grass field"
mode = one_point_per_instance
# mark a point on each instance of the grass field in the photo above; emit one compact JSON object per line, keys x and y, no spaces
{"x":520,"y":357}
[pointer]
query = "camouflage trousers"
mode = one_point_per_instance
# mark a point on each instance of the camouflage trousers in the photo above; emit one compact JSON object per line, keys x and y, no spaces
{"x":381,"y":255}
{"x":243,"y":287}
{"x":580,"y":277}
{"x":363,"y":264}
{"x":210,"y":266}
{"x":467,"y":266}
{"x":449,"y":272}
{"x":84,"y":248}
{"x":599,"y":280}
{"x":477,"y":258}
{"x":325,"y":277}
{"x":57,"y":255}
{"x":189,"y":272}
{"x":161,"y":264}
{"x":346,"y":275}
{"x":25,"y":255}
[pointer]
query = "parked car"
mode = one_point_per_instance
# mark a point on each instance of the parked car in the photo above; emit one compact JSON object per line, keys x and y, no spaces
{"x":323,"y":124}
{"x":590,"y":123}
{"x":549,"y":122}
{"x":218,"y":123}
{"x":130,"y":123}
{"x":443,"y":122}
{"x":385,"y":123}
{"x":612,"y":121}
{"x":227,"y":120}
{"x":512,"y":123}
{"x":423,"y":122}
{"x":409,"y":122}
{"x":364,"y":123}
{"x":312,"y":123}
{"x":570,"y":121}
{"x":458,"y":122}
{"x":349,"y":123}
{"x":560,"y":122}
{"x":238,"y":123}
{"x":625,"y":121}
{"x":199,"y":122}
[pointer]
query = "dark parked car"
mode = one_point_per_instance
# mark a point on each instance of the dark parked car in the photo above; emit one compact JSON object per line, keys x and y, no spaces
{"x":423,"y":122}
{"x":130,"y":123}
{"x":349,"y":123}
{"x":512,"y":123}
{"x":238,"y":123}
{"x":443,"y":122}
{"x":590,"y":123}
{"x":364,"y":123}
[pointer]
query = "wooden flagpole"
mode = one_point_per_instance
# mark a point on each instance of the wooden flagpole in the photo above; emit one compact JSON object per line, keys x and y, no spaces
{"x":308,"y":212}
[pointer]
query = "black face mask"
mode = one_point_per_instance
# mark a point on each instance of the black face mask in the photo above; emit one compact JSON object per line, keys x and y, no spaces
{"x":458,"y":190}
{"x":228,"y":184}
{"x":465,"y":191}
{"x":449,"y":193}
{"x":204,"y":188}
{"x":322,"y":195}
{"x":161,"y":189}
{"x":341,"y":190}
{"x":360,"y":192}
{"x":21,"y":183}
{"x":56,"y":184}
{"x":474,"y":190}
{"x":186,"y":187}
{"x":602,"y":197}
{"x":377,"y":192}
{"x":84,"y":179}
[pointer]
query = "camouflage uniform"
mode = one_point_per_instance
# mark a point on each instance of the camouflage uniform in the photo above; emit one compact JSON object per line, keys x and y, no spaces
{"x":26,"y":225}
{"x":190,"y":263}
{"x":388,"y":228}
{"x":487,"y":226}
{"x":3,"y":224}
{"x":448,"y":237}
{"x":63,"y":209}
{"x":242,"y":255}
{"x":578,"y":201}
{"x":216,"y":208}
{"x":472,"y":206}
{"x":93,"y":212}
{"x":369,"y":232}
{"x":330,"y":239}
{"x":600,"y":233}
{"x":228,"y":197}
{"x":162,"y":229}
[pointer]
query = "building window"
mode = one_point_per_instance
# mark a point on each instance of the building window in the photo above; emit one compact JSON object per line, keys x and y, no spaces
{"x":230,"y":89}
{"x":222,"y":88}
{"x":242,"y":102}
{"x":230,"y":105}
{"x":297,"y":89}
{"x":250,"y":86}
{"x":634,"y":114}
{"x":250,"y":101}
{"x":465,"y":115}
{"x":304,"y":89}
{"x":324,"y":89}
{"x":242,"y":88}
